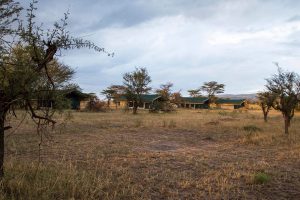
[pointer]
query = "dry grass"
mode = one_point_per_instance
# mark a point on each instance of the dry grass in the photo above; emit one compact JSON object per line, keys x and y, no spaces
{"x":185,"y":155}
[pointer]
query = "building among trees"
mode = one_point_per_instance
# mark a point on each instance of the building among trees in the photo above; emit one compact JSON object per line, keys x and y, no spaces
{"x":231,"y":103}
{"x":195,"y":102}
{"x":148,"y":101}
{"x":79,"y":100}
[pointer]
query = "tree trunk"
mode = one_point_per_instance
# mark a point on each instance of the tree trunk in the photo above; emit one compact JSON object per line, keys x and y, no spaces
{"x":286,"y":124}
{"x":108,"y":103}
{"x":265,"y":112}
{"x":135,"y":107}
{"x":266,"y":117}
{"x":2,"y":117}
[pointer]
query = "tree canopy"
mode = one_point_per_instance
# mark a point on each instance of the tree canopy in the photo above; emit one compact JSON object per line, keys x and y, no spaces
{"x":286,"y":85}
{"x":212,"y":88}
{"x":136,"y":83}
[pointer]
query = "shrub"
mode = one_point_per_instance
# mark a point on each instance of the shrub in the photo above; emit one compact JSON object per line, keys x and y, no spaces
{"x":252,"y":128}
{"x":261,"y":178}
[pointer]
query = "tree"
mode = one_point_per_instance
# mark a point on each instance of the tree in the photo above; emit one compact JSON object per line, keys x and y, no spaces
{"x":176,"y":98}
{"x":113,"y":92}
{"x":194,"y":93}
{"x":29,"y":66}
{"x":109,"y":94}
{"x":9,"y":12}
{"x":136,"y":84}
{"x":165,"y":90}
{"x":212,"y":88}
{"x":286,"y":85}
{"x":266,"y":102}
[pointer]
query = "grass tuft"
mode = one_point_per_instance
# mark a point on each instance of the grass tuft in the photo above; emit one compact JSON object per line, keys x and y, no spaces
{"x":252,"y":128}
{"x":261,"y":178}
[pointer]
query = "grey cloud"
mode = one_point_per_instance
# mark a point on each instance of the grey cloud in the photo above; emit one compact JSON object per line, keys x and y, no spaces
{"x":183,"y":41}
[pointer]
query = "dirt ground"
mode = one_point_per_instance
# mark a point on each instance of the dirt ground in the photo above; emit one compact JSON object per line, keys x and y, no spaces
{"x":190,"y":154}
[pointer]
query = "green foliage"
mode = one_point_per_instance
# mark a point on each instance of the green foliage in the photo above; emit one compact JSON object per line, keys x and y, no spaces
{"x":30,"y":72}
{"x":195,"y":93}
{"x":266,"y":101}
{"x":136,"y":83}
{"x":286,"y":85}
{"x":165,"y":90}
{"x":212,"y":88}
{"x":9,"y":11}
{"x":261,"y":178}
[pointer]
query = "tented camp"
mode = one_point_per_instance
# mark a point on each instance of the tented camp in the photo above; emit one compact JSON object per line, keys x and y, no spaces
{"x":79,"y":100}
{"x":195,"y":102}
{"x":148,"y":101}
{"x":231,"y":103}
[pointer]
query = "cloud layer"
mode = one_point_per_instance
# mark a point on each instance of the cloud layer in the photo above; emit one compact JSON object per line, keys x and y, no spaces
{"x":185,"y":42}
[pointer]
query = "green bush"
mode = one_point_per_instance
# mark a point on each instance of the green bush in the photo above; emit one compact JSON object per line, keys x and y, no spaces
{"x":261,"y":178}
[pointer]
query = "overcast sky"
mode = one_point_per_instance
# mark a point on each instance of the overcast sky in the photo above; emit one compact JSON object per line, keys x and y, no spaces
{"x":186,"y":42}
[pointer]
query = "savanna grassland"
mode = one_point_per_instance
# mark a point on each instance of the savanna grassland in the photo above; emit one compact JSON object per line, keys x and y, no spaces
{"x":190,"y":154}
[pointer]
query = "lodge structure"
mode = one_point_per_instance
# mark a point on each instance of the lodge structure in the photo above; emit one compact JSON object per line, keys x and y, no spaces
{"x":155,"y":101}
{"x":203,"y":103}
{"x":148,"y":101}
{"x":195,"y":102}
{"x":229,"y":104}
{"x":79,"y":100}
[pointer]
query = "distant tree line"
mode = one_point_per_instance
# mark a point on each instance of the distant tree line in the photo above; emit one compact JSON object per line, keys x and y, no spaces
{"x":136,"y":84}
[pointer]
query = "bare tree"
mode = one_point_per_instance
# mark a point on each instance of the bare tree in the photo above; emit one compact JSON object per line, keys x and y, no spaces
{"x":136,"y":84}
{"x":286,"y":85}
{"x":212,"y":88}
{"x":266,"y":102}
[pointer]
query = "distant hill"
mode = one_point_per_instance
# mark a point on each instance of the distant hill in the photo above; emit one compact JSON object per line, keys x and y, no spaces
{"x":238,"y":96}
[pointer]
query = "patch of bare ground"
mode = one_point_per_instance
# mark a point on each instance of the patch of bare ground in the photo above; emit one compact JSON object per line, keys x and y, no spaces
{"x":157,"y":156}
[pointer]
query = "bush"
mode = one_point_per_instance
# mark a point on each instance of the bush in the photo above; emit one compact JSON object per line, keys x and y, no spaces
{"x":261,"y":178}
{"x":252,"y":128}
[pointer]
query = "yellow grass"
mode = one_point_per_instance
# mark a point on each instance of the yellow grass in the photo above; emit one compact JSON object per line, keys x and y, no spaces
{"x":190,"y":154}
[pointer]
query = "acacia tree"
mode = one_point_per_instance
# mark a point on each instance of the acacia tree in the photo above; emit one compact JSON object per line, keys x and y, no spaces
{"x":113,"y":92}
{"x":136,"y":84}
{"x":109,"y":94}
{"x":9,"y":12}
{"x":194,"y":93}
{"x":26,"y":64}
{"x":286,"y":85}
{"x":176,"y":98}
{"x":212,"y":88}
{"x":266,"y":102}
{"x":165,"y":90}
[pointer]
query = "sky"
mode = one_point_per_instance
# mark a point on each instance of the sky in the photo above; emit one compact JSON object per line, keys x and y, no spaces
{"x":186,"y":42}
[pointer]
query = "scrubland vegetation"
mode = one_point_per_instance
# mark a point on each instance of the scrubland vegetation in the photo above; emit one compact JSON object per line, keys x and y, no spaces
{"x":190,"y":154}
